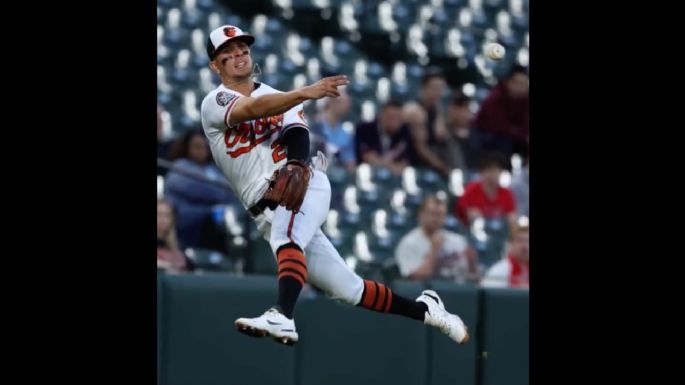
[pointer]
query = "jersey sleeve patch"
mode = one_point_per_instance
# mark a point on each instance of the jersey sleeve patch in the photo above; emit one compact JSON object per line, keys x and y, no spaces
{"x":223,"y":98}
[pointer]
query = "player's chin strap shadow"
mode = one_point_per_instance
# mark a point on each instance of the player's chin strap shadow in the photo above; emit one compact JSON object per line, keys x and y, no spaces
{"x":256,"y":70}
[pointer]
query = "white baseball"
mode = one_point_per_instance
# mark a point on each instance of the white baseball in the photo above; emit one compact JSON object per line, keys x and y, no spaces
{"x":494,"y":51}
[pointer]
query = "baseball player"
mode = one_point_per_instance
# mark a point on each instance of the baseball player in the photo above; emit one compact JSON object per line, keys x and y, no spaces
{"x":260,"y":140}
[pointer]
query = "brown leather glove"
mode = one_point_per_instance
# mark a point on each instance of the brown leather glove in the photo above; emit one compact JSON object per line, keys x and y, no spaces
{"x":288,"y":185}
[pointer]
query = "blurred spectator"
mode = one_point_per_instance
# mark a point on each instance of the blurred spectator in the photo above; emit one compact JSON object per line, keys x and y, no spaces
{"x":429,"y":251}
{"x":169,"y":256}
{"x":511,"y":271}
{"x":485,"y":198}
{"x":427,"y":122}
{"x":338,"y":142}
{"x":503,"y":115}
{"x":461,"y":148}
{"x":386,"y":141}
{"x":162,"y":145}
{"x":192,"y":186}
{"x":159,"y":121}
{"x":520,"y":188}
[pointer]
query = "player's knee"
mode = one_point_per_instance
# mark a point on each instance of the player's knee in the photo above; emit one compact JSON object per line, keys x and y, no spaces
{"x":351,"y":294}
{"x":277,"y":243}
{"x":289,"y":245}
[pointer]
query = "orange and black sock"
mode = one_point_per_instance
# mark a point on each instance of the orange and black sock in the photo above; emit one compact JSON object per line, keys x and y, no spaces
{"x":292,"y":274}
{"x":376,"y":296}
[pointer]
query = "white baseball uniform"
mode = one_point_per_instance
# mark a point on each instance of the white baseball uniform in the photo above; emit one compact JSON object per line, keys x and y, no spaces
{"x":248,"y":153}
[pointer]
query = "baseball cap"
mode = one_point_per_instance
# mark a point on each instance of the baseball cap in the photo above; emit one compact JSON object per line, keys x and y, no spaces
{"x":223,"y":35}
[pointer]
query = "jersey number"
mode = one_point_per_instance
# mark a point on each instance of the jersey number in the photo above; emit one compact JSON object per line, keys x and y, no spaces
{"x":278,"y":153}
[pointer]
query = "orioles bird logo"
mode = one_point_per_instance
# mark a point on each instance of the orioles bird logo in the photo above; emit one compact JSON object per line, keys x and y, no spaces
{"x":229,"y":31}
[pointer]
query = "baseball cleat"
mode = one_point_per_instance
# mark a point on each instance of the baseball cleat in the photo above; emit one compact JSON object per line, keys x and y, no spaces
{"x":272,"y":323}
{"x":440,"y":318}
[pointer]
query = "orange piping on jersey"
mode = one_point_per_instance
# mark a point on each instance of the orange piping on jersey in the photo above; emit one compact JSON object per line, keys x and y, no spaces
{"x":290,"y":227}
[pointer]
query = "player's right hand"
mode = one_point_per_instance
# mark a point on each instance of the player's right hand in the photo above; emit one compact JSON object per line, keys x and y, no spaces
{"x":325,"y":87}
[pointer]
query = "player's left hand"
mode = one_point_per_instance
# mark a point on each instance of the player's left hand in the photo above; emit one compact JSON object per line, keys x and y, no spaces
{"x":288,"y":185}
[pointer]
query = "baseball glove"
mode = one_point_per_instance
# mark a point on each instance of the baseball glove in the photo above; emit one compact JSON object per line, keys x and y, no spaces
{"x":288,"y":185}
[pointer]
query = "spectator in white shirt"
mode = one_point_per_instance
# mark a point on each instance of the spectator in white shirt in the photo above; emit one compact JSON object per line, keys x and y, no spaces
{"x":429,"y":251}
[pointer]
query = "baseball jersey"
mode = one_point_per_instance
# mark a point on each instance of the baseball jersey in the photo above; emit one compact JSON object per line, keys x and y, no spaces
{"x":249,"y":152}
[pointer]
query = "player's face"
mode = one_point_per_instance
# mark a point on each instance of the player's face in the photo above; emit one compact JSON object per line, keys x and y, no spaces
{"x":433,"y":216}
{"x":391,"y":119}
{"x":197,"y":149}
{"x":520,"y":245}
{"x":518,"y":86}
{"x":234,"y":60}
{"x":164,"y":219}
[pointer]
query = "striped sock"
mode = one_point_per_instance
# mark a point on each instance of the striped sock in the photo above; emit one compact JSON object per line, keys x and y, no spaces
{"x":376,"y":296}
{"x":292,"y":274}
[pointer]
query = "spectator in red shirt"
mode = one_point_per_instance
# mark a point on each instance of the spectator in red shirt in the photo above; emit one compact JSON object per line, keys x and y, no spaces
{"x":503,"y":115}
{"x":486,"y":198}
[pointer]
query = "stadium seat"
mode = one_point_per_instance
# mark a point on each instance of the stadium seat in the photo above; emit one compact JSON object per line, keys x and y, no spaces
{"x":209,"y":260}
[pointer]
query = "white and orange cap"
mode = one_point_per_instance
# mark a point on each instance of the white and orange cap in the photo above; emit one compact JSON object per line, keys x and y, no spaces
{"x":223,"y":35}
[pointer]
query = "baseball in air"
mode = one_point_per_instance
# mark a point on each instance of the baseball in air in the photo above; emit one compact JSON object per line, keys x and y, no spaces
{"x":494,"y":51}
